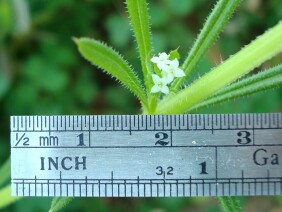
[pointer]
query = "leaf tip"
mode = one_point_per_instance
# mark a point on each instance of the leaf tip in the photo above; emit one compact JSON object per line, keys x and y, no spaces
{"x":75,"y":40}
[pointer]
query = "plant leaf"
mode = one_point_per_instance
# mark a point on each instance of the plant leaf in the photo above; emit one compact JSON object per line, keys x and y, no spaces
{"x":6,"y":198}
{"x":139,"y":18}
{"x":5,"y":172}
{"x":59,"y":202}
{"x":174,"y":54}
{"x":5,"y":81}
{"x":216,"y":21}
{"x":250,"y":57}
{"x":264,"y":80}
{"x":229,"y":204}
{"x":106,"y":58}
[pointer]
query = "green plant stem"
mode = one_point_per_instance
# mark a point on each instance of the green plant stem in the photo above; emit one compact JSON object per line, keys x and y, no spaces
{"x":6,"y":198}
{"x":250,"y":57}
{"x":264,"y":80}
{"x":152,"y":98}
{"x":5,"y":171}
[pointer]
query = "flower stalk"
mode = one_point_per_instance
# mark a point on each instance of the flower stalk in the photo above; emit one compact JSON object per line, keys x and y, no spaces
{"x":166,"y":71}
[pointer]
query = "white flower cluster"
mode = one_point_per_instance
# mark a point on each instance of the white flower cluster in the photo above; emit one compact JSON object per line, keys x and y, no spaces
{"x":169,"y":70}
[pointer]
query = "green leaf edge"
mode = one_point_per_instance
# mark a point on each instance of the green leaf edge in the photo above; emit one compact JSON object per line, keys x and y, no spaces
{"x":6,"y":198}
{"x":59,"y":202}
{"x":251,"y":56}
{"x":5,"y":171}
{"x":213,"y":26}
{"x":262,"y":81}
{"x":107,"y":59}
{"x":139,"y":18}
{"x":229,"y":204}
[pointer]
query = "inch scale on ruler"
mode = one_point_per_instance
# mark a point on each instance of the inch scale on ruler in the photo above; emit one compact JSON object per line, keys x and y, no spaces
{"x":147,"y":156}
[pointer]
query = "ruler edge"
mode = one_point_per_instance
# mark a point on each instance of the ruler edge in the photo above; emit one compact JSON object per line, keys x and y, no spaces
{"x":278,"y":114}
{"x":267,"y":116}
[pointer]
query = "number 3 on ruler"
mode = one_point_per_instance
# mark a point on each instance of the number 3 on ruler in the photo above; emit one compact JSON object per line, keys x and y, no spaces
{"x":244,"y":137}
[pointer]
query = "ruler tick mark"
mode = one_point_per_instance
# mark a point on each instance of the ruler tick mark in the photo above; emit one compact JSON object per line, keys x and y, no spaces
{"x":190,"y":186}
{"x":112,"y":182}
{"x":242,"y":181}
{"x":65,"y":127}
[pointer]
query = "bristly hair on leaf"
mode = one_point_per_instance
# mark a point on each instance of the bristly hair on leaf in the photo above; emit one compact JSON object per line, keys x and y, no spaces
{"x":110,"y":61}
{"x":139,"y":19}
{"x":264,"y":80}
{"x":266,"y":46}
{"x":59,"y":202}
{"x":213,"y":26}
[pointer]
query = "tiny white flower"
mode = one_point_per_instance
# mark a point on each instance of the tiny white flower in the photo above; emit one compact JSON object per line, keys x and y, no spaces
{"x":173,"y":70}
{"x":160,"y":85}
{"x":162,"y":61}
{"x":167,"y":76}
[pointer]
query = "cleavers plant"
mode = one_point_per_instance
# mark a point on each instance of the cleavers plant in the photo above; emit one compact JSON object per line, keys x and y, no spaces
{"x":214,"y":87}
{"x":163,"y":89}
{"x":166,"y":93}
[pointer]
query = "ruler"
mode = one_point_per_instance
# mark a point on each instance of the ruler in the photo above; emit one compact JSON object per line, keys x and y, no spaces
{"x":147,"y":155}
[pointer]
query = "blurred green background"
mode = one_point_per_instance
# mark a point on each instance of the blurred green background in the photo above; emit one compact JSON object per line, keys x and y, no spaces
{"x":41,"y":72}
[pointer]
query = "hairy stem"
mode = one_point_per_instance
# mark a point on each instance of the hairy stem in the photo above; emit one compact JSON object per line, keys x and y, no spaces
{"x":216,"y":21}
{"x":250,"y":57}
{"x":264,"y":80}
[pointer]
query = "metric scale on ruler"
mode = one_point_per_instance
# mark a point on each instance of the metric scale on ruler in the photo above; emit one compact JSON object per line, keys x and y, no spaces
{"x":147,"y":155}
